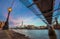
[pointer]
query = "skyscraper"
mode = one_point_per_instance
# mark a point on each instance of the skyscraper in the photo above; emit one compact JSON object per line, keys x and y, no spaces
{"x":21,"y":25}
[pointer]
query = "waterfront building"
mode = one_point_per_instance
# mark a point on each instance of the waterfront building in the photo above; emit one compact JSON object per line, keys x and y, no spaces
{"x":30,"y":26}
{"x":1,"y":24}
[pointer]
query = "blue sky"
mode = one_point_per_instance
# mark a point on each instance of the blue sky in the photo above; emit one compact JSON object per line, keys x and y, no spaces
{"x":20,"y":12}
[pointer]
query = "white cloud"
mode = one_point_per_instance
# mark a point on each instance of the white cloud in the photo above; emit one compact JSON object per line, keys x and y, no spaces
{"x":27,"y":21}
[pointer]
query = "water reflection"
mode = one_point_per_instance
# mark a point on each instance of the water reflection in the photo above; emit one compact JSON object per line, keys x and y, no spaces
{"x":52,"y":34}
{"x":58,"y":34}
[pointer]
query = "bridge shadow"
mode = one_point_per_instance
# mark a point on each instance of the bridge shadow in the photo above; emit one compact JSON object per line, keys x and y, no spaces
{"x":52,"y":34}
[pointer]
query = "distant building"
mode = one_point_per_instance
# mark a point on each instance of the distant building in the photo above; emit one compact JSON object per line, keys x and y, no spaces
{"x":43,"y":27}
{"x":57,"y":26}
{"x":22,"y":25}
{"x":30,"y":26}
{"x":1,"y":24}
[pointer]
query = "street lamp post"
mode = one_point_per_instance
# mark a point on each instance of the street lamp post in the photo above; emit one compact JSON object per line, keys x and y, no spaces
{"x":6,"y":25}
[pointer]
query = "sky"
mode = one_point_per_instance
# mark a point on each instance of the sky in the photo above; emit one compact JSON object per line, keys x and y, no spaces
{"x":21,"y":13}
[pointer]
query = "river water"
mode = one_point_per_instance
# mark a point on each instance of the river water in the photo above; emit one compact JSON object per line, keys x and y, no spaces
{"x":38,"y":34}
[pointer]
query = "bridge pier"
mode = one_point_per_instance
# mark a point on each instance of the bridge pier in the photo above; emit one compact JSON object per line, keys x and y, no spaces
{"x":51,"y":31}
{"x":52,"y":34}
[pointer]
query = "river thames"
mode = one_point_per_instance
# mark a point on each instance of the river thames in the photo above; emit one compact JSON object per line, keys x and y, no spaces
{"x":38,"y":34}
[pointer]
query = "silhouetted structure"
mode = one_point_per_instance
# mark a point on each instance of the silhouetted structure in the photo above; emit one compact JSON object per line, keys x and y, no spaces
{"x":53,"y":36}
{"x":56,"y":19}
{"x":6,"y":25}
{"x":45,"y":6}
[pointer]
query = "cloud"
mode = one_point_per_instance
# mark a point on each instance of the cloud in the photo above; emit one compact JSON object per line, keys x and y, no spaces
{"x":31,"y":20}
{"x":27,"y":21}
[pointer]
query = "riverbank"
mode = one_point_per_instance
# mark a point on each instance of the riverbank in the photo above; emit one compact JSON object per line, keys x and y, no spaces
{"x":16,"y":35}
{"x":32,"y":29}
{"x":10,"y":34}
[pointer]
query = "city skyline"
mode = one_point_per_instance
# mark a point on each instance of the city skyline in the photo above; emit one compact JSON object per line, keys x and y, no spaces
{"x":20,"y":12}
